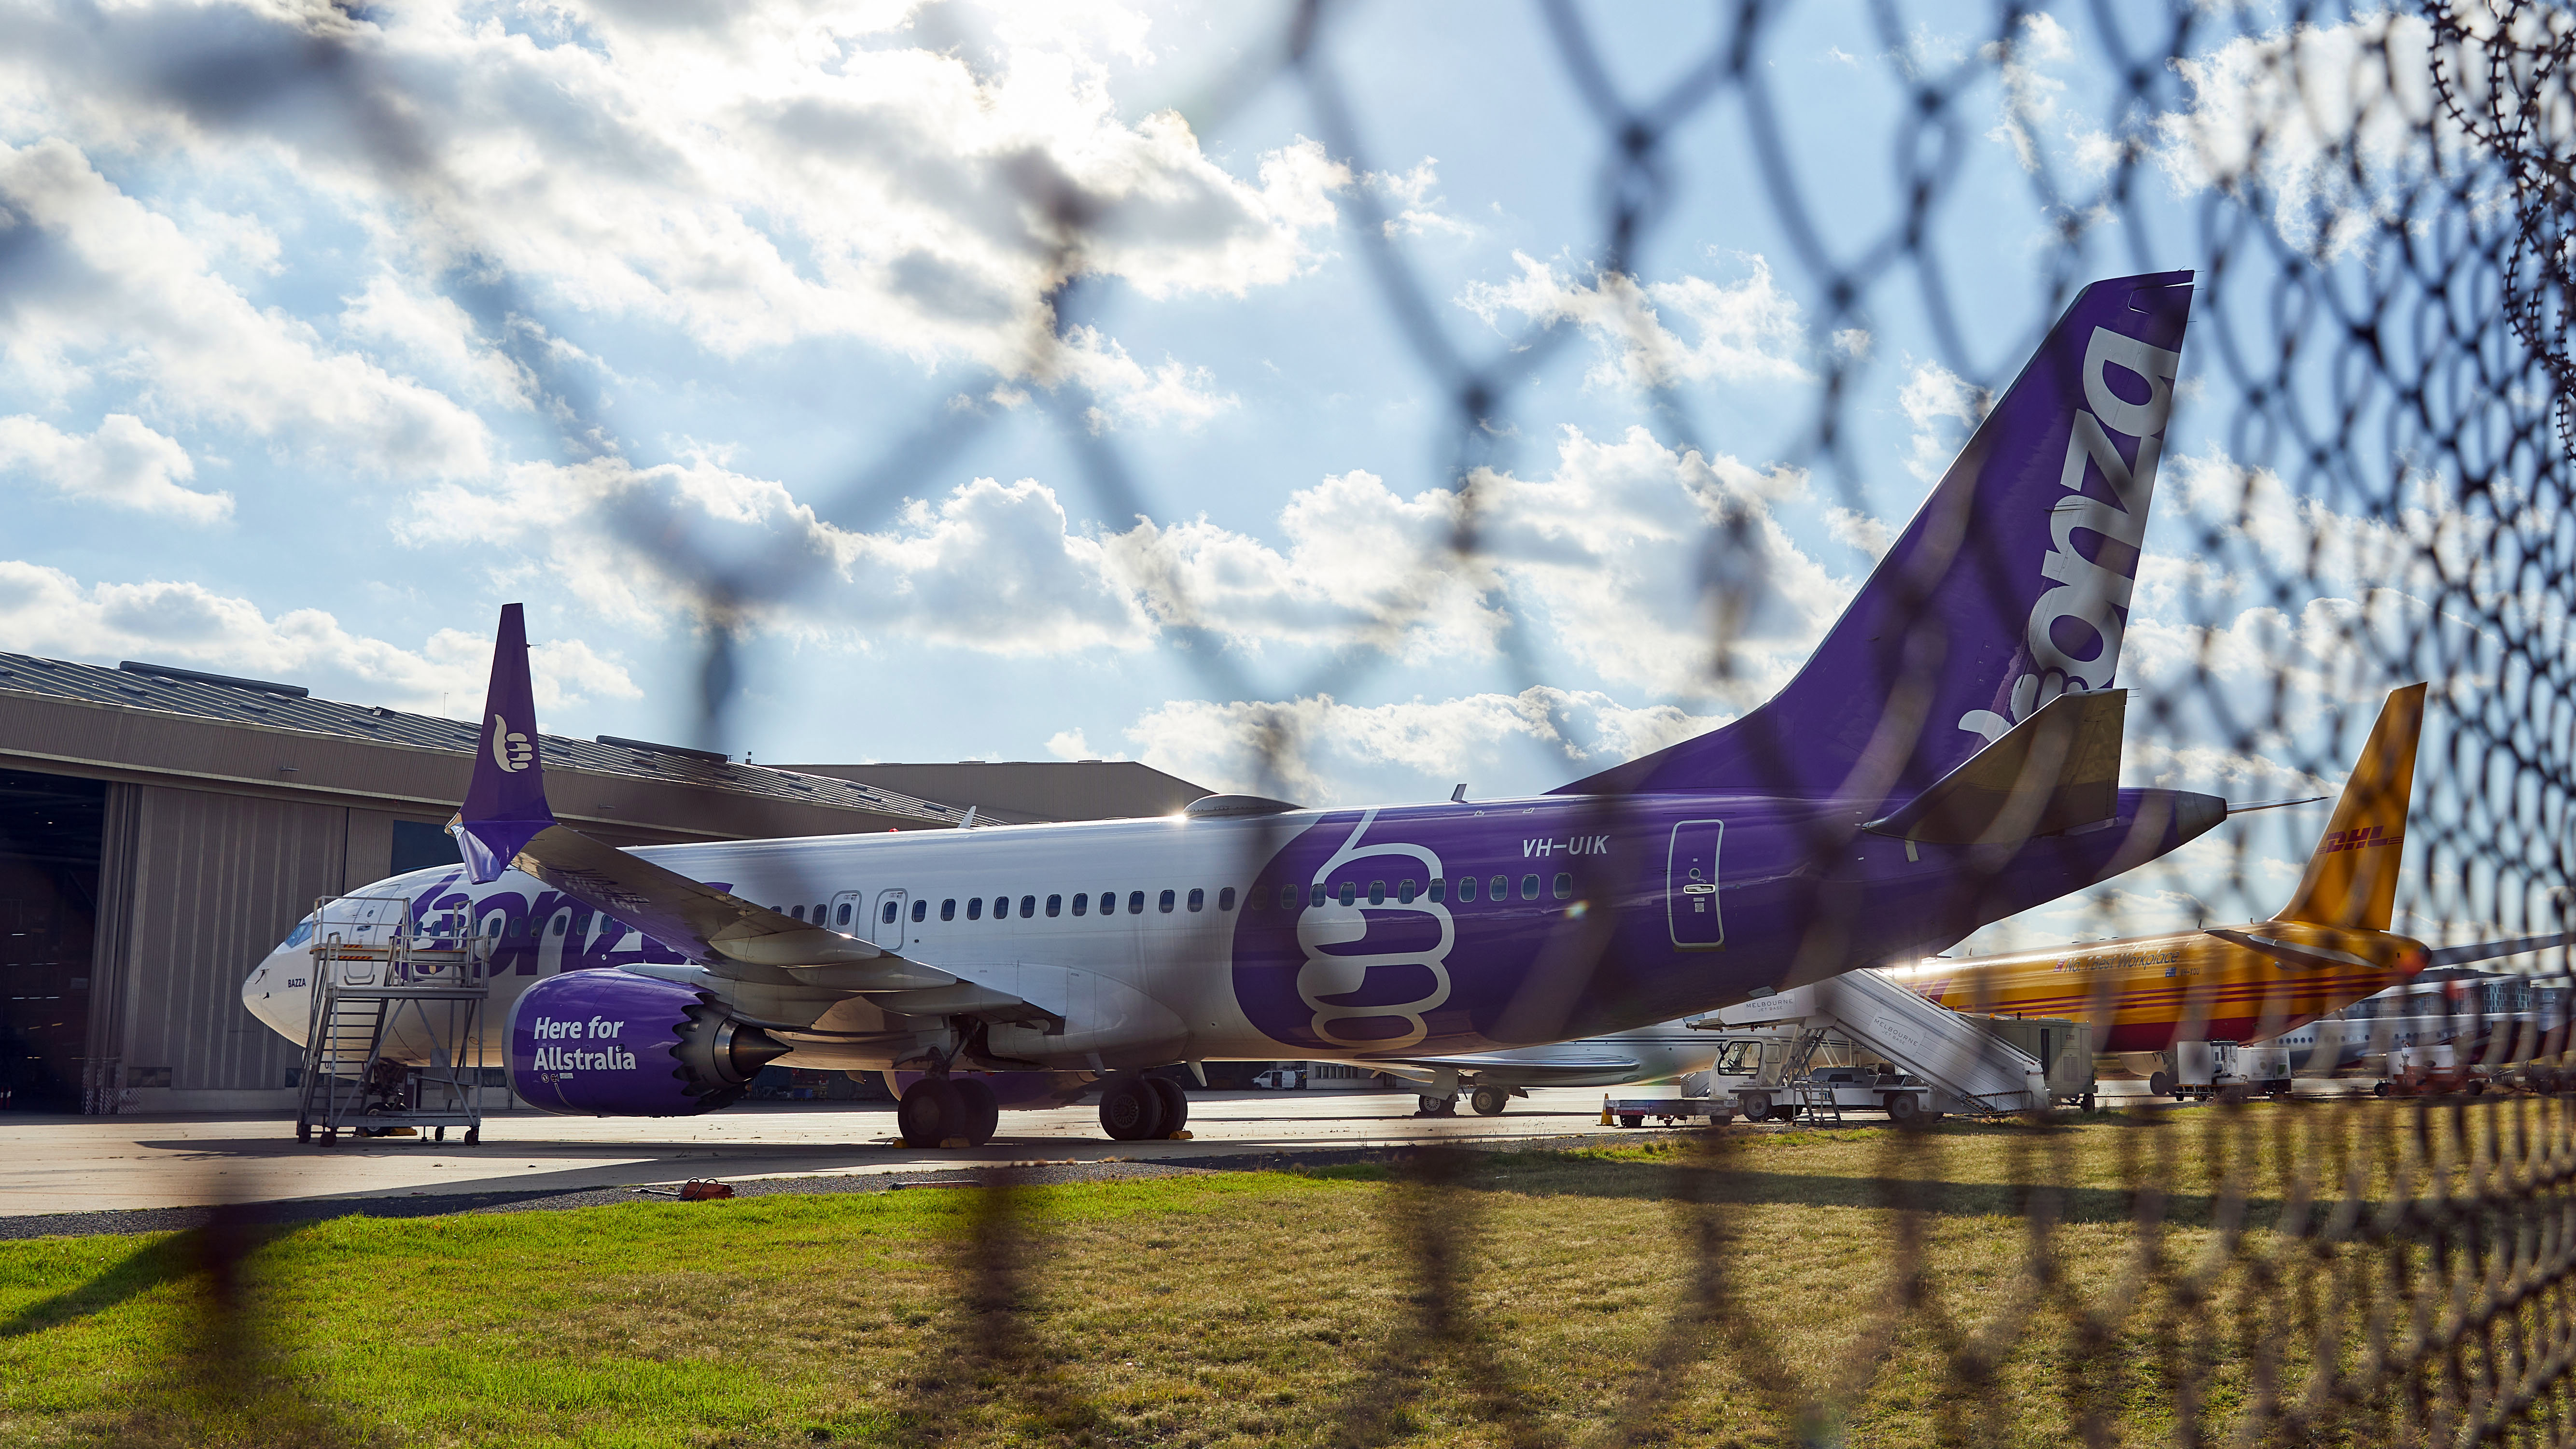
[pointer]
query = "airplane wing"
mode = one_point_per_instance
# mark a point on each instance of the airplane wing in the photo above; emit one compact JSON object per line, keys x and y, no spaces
{"x":2490,"y":950}
{"x":506,"y":824}
{"x":1537,"y":1066}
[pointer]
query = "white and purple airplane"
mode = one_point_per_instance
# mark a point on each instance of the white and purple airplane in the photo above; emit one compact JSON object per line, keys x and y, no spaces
{"x":1948,"y":757}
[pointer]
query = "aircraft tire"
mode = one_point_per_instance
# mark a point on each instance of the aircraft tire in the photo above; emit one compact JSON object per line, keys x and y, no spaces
{"x":1489,"y":1101}
{"x":930,"y":1113}
{"x":979,"y":1112}
{"x":1130,"y":1111}
{"x":1176,"y":1104}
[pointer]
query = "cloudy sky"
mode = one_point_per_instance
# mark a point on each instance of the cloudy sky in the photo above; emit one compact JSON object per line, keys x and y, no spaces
{"x":1026,"y":374}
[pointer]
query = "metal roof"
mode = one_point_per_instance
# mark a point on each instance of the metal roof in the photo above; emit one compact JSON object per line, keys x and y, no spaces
{"x":260,"y":708}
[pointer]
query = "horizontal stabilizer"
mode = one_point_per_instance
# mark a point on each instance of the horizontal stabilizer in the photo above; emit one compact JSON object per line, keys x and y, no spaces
{"x":2052,"y":772}
{"x":2493,"y":950}
{"x":2294,"y":953}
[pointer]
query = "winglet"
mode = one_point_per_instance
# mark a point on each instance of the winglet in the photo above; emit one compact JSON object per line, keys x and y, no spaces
{"x":505,"y":805}
{"x":2351,"y":879}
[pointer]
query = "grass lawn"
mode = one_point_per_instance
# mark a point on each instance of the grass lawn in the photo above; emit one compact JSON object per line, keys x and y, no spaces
{"x":1488,"y":1299}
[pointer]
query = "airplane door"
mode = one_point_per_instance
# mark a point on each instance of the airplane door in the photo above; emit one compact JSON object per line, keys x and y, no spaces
{"x":888,"y":922}
{"x":846,"y":906}
{"x":1690,"y":886}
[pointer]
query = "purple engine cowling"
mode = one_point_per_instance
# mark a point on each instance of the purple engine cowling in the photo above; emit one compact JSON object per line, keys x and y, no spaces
{"x":606,"y":1043}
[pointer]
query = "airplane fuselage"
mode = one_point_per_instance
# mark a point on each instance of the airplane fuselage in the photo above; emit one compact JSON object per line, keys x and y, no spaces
{"x":1338,"y":935}
{"x":2145,"y":993}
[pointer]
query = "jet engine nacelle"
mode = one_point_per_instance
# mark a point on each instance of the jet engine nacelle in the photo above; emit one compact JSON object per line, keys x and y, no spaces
{"x":605,"y":1043}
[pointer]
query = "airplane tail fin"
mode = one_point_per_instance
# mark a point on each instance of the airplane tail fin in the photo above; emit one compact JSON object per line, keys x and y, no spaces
{"x":505,"y":802}
{"x":2351,"y":880}
{"x":2009,"y":588}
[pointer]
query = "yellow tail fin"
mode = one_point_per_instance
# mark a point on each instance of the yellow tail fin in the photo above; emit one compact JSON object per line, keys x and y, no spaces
{"x":2351,"y":878}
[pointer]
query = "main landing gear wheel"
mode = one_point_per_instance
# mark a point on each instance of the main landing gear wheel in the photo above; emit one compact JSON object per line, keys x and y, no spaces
{"x":978,"y":1110}
{"x":1176,"y":1104}
{"x":1489,"y":1101}
{"x":1436,"y":1106}
{"x":1131,"y":1110}
{"x":930,"y":1112}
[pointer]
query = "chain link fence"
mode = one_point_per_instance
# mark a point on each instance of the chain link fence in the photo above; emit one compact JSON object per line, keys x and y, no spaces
{"x":2380,"y":204}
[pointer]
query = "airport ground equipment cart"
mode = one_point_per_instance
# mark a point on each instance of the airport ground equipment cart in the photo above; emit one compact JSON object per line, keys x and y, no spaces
{"x":394,"y":1038}
{"x":1633,"y":1111}
{"x":2206,"y":1069}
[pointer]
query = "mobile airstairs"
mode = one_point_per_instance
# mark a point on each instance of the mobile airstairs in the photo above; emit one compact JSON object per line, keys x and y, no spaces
{"x":394,"y":1039}
{"x":1967,"y":1067}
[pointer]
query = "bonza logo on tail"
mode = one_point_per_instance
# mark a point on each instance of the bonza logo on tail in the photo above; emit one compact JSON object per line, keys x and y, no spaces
{"x":2087,"y":591}
{"x":510,"y":749}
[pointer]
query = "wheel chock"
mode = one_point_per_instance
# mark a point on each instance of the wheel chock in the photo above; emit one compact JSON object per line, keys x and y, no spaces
{"x":950,"y":1143}
{"x":1181,"y":1136}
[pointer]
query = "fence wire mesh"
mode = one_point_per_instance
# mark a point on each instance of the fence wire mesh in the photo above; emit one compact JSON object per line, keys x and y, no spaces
{"x":2383,"y":223}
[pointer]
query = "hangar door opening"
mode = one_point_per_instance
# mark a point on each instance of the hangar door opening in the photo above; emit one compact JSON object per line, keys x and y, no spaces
{"x":50,"y":829}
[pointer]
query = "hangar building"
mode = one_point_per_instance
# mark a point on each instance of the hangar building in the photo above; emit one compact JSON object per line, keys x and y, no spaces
{"x":162,"y":828}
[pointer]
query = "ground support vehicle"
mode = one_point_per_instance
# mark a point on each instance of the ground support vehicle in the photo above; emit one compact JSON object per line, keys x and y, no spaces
{"x":1633,"y":1111}
{"x":2429,"y":1071}
{"x":2206,"y":1069}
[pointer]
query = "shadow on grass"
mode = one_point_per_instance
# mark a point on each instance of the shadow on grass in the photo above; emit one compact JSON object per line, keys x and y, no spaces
{"x":220,"y":1375}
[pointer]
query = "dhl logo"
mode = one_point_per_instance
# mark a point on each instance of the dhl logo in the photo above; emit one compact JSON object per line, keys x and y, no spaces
{"x":2360,"y":837}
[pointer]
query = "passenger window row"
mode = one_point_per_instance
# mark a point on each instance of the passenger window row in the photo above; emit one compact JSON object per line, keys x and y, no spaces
{"x":1440,"y":888}
{"x":1291,"y":897}
{"x":1165,"y":903}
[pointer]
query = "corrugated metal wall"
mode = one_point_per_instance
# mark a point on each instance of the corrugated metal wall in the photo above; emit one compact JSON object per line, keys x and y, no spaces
{"x":218,"y":880}
{"x":111,"y":993}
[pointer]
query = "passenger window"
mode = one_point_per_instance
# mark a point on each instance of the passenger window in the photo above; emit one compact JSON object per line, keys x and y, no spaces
{"x":1081,"y":902}
{"x":1466,"y":888}
{"x":797,"y":911}
{"x":1564,"y":887}
{"x":1377,"y":892}
{"x":1288,"y":897}
{"x":1440,"y":887}
{"x":974,"y":908}
{"x":1028,"y":907}
{"x":1198,"y":898}
{"x":1166,"y":903}
{"x":1135,"y":903}
{"x":1225,"y":899}
{"x":562,"y":921}
{"x":1404,"y":892}
{"x":1499,"y":888}
{"x":842,"y":916}
{"x":887,"y":915}
{"x":948,"y":909}
{"x":818,"y":915}
{"x":1055,"y":905}
{"x":1109,"y":903}
{"x":1317,"y":898}
{"x":1350,"y":891}
{"x":921,"y":908}
{"x":1529,"y":887}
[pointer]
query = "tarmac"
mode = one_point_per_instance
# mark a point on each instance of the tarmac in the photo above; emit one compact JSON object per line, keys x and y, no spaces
{"x":70,"y":1174}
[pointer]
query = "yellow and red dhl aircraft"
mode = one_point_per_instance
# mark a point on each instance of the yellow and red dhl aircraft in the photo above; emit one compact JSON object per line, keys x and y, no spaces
{"x":2328,"y":948}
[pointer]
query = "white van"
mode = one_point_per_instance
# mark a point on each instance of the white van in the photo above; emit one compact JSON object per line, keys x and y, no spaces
{"x":1281,"y":1079}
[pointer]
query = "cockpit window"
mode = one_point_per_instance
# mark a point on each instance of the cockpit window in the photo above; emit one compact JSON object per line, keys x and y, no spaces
{"x":303,"y":932}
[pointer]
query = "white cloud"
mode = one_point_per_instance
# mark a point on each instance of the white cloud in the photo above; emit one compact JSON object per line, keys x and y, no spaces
{"x":1746,"y":332}
{"x":1944,"y":408}
{"x":751,"y":176}
{"x":1631,"y":558}
{"x":1417,"y":210}
{"x":45,"y":611}
{"x":2033,"y":99}
{"x":122,"y":463}
{"x":1299,"y":747}
{"x":1864,"y":531}
{"x":1129,"y":392}
{"x":2321,"y":123}
{"x":125,"y":295}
